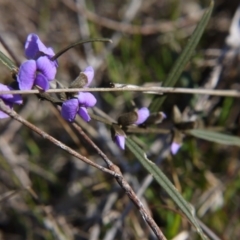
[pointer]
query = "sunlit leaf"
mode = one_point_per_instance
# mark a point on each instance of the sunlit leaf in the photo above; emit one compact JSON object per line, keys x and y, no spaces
{"x":7,"y":62}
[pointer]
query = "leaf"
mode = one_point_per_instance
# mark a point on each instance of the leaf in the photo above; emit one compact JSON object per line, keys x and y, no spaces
{"x":183,"y":59}
{"x":7,"y":62}
{"x":164,"y":182}
{"x":215,"y":137}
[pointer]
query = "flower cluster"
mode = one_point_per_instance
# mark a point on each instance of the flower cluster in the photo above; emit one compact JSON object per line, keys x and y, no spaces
{"x":9,"y":99}
{"x":39,"y":69}
{"x":83,"y":100}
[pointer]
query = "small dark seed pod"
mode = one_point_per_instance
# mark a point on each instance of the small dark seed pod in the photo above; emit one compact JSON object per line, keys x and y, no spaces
{"x":80,"y":81}
{"x":127,"y":119}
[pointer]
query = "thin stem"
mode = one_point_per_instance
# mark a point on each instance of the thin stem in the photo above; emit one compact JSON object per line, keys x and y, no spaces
{"x":150,"y":90}
{"x":17,"y":117}
{"x":57,"y":55}
{"x":125,"y":185}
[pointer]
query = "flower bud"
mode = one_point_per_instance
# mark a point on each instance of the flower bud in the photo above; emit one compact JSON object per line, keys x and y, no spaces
{"x":116,"y":131}
{"x":176,"y":141}
{"x":80,"y":81}
{"x":118,"y":135}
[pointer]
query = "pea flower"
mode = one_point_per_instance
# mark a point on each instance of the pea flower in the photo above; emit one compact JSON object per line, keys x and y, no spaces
{"x":39,"y":69}
{"x":9,"y":99}
{"x":79,"y":104}
{"x":136,"y":117}
{"x":118,"y":135}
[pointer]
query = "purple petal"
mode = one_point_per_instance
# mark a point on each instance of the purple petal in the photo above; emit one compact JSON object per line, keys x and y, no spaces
{"x":143,"y":114}
{"x":33,"y":46}
{"x":89,"y":72}
{"x":41,"y":81}
{"x":3,"y":114}
{"x":26,"y":75}
{"x":69,"y":109}
{"x":10,"y":98}
{"x":86,"y":99}
{"x":175,"y":147}
{"x":46,"y":67}
{"x":17,"y":99}
{"x":50,"y":52}
{"x":120,"y":141}
{"x":84,"y":114}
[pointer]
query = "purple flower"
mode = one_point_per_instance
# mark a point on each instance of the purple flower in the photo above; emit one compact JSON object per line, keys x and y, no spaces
{"x":175,"y":147}
{"x":9,"y":99}
{"x":81,"y":102}
{"x":137,"y":117}
{"x":39,"y":69}
{"x":79,"y":105}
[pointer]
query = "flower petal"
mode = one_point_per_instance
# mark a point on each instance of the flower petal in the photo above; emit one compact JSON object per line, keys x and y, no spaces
{"x":84,"y":114}
{"x":89,"y":72}
{"x":120,"y":141}
{"x":175,"y":147}
{"x":26,"y":75}
{"x":69,"y":109}
{"x":46,"y":67}
{"x":50,"y":52}
{"x":143,"y":114}
{"x":33,"y":46}
{"x":42,"y":81}
{"x":86,"y":99}
{"x":10,"y":98}
{"x":3,"y":114}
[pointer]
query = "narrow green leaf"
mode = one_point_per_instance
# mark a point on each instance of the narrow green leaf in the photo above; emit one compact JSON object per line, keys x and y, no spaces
{"x":7,"y":62}
{"x":183,"y":58}
{"x":215,"y":137}
{"x":164,"y":182}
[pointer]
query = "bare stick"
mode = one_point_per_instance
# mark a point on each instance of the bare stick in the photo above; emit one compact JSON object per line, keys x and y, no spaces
{"x":17,"y":117}
{"x":152,"y":90}
{"x":125,"y":185}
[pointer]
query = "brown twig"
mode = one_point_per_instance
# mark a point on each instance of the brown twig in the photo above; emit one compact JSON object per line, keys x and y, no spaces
{"x":114,"y":170}
{"x":125,"y":185}
{"x":17,"y":117}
